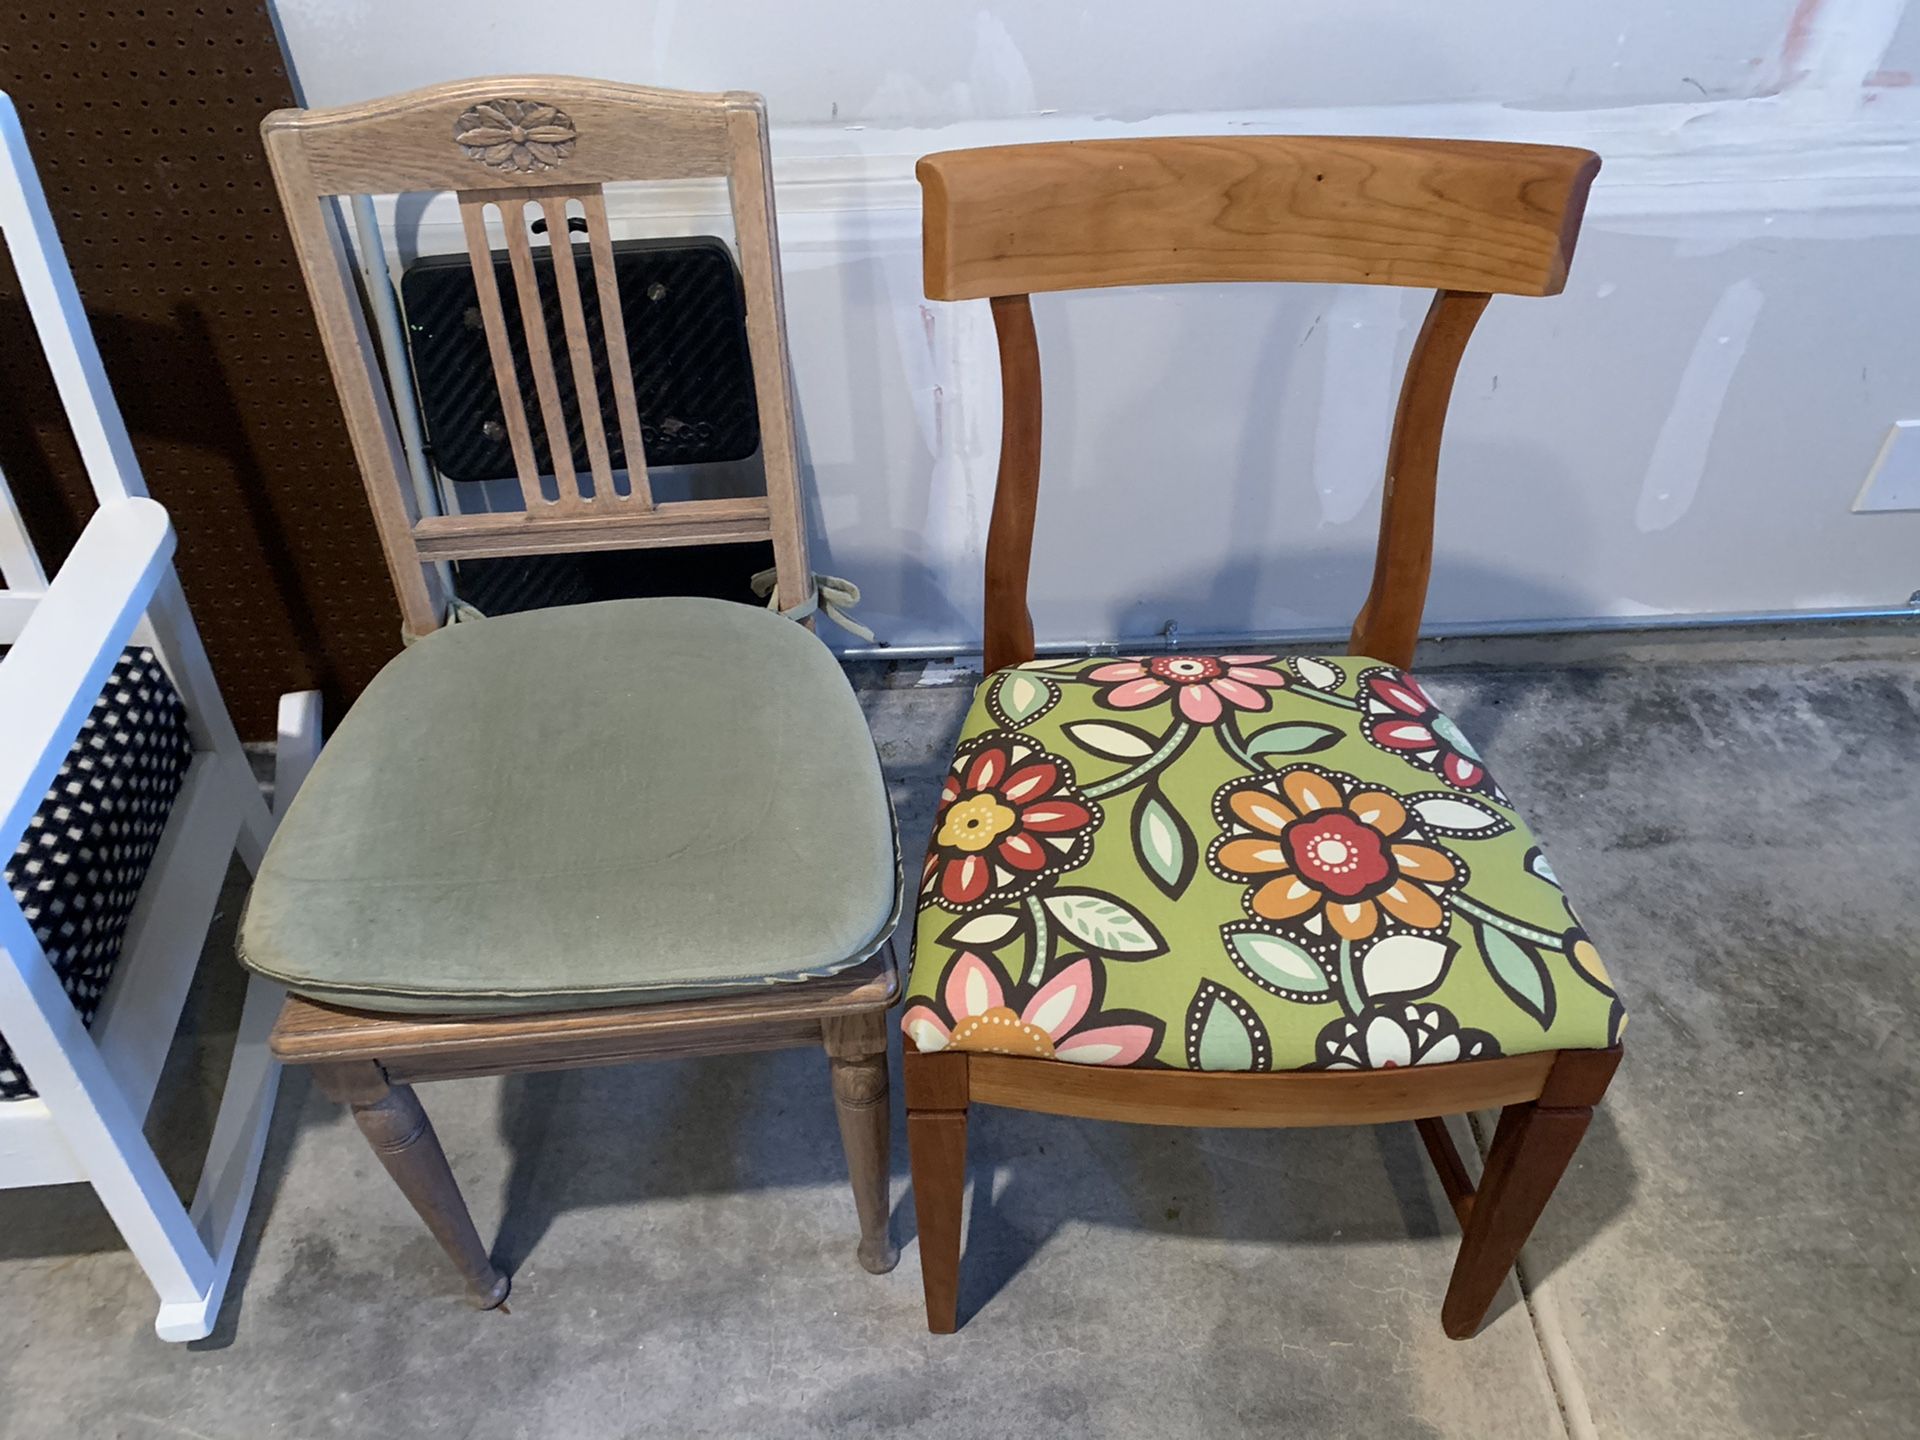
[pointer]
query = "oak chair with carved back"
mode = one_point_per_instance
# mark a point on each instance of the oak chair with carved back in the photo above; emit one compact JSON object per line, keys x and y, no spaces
{"x":595,"y":833}
{"x":1226,"y":932}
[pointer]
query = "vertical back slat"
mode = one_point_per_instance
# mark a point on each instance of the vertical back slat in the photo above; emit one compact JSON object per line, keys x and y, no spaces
{"x":613,"y":327}
{"x":480,"y":254}
{"x":573,"y":316}
{"x":533,"y":321}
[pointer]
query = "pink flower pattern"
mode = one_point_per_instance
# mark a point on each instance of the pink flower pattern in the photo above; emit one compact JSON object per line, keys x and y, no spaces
{"x":1046,"y":1027}
{"x":1203,"y":685}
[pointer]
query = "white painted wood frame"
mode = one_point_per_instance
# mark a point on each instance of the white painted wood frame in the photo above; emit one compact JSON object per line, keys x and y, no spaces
{"x":118,"y":588}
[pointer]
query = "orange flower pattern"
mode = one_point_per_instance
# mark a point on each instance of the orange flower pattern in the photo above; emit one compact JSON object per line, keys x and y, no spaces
{"x":1325,"y":850}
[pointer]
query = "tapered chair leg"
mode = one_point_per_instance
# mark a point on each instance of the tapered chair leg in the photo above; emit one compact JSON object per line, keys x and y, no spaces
{"x":857,"y":1058}
{"x":1531,"y":1148}
{"x":403,"y":1138}
{"x":937,"y":1153}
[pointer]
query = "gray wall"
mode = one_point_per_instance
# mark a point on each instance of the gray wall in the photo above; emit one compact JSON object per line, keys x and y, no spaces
{"x":1682,"y":434}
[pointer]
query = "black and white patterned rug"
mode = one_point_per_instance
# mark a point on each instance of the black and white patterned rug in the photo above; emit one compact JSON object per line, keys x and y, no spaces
{"x":80,"y":864}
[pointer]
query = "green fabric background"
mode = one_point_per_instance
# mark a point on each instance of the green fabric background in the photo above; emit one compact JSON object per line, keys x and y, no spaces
{"x":585,"y":805}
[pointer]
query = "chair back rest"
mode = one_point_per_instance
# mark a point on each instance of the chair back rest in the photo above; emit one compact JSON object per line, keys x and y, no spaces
{"x":1468,"y":219}
{"x":540,"y":150}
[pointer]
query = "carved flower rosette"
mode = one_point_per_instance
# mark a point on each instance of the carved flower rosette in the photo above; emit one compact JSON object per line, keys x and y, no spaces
{"x":517,"y":136}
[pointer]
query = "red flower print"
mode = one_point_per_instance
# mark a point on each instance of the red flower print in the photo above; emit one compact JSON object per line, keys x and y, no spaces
{"x":1338,"y":853}
{"x":1010,"y":817}
{"x":1202,"y":685}
{"x":1398,"y":715}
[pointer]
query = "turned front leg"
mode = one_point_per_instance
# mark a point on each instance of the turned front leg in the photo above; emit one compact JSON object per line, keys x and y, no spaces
{"x":402,"y":1137}
{"x":857,"y":1057}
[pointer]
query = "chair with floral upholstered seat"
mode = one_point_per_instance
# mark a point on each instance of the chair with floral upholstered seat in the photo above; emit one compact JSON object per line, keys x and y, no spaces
{"x":1235,"y":889}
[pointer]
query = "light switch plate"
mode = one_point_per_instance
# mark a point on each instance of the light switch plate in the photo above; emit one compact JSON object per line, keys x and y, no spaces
{"x":1894,"y":481}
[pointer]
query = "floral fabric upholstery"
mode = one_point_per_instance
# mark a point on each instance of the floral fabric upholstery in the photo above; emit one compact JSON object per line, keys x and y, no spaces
{"x":1237,"y":862}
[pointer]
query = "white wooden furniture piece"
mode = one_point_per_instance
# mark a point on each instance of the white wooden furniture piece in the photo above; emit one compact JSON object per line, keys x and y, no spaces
{"x":64,"y":638}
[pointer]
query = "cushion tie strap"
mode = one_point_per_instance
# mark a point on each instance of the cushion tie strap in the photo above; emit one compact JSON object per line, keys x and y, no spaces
{"x":830,"y":594}
{"x":457,"y":611}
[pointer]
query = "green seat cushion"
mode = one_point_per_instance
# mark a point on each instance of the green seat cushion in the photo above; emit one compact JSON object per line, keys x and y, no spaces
{"x":1235,"y":862}
{"x":590,"y":805}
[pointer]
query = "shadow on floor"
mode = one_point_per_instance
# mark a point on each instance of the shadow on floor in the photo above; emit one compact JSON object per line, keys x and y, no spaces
{"x":1033,"y":1175}
{"x":619,"y":1139}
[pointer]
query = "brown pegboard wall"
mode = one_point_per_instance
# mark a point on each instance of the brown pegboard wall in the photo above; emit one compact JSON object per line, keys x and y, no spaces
{"x":144,"y":122}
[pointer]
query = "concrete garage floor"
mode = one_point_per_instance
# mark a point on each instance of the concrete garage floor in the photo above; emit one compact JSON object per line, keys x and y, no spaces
{"x":1734,"y":1253}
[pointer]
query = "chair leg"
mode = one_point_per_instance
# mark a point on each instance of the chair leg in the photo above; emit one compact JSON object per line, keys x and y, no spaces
{"x":857,"y":1060}
{"x":232,"y":1166}
{"x":1531,"y":1148}
{"x":937,"y":1153}
{"x":401,"y":1135}
{"x":98,"y":1124}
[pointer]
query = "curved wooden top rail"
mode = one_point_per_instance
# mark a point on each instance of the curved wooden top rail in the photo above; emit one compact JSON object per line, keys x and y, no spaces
{"x":604,"y":131}
{"x":1481,"y":216}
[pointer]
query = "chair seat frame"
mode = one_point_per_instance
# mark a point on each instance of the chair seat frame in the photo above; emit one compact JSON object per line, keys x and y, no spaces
{"x":370,"y":1063}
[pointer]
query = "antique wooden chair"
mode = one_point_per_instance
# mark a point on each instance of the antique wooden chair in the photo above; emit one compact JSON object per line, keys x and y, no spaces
{"x":127,"y":795}
{"x":595,"y":833}
{"x":1243,"y":891}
